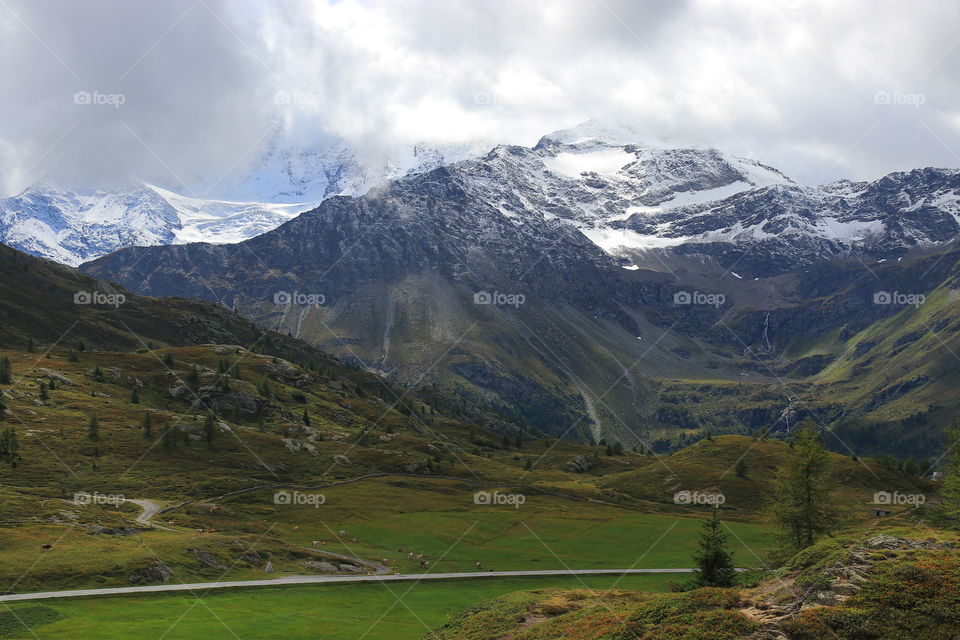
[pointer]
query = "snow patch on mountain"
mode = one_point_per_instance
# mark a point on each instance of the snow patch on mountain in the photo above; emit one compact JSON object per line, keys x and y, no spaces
{"x":615,"y":241}
{"x":604,"y":161}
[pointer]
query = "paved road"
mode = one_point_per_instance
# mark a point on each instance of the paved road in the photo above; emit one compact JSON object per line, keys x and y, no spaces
{"x":150,"y":509}
{"x":205,"y":586}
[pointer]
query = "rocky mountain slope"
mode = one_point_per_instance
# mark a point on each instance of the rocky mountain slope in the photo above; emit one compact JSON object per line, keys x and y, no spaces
{"x":505,"y":277}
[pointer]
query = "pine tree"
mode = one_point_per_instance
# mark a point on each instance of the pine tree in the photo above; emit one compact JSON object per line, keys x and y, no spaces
{"x":169,"y":437}
{"x":6,"y":374}
{"x":44,"y":396}
{"x":134,"y":396}
{"x":146,"y":424}
{"x":93,"y":429}
{"x":261,"y":425}
{"x":168,"y":359}
{"x":193,"y":378}
{"x":10,"y":447}
{"x":209,"y":431}
{"x":950,"y":491}
{"x":73,"y":356}
{"x":714,"y":561}
{"x":802,"y":506}
{"x":81,"y":346}
{"x":29,"y":345}
{"x":306,"y":417}
{"x":740,"y":468}
{"x":8,"y":441}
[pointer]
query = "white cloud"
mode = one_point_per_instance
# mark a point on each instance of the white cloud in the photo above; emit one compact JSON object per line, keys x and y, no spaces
{"x":793,"y":83}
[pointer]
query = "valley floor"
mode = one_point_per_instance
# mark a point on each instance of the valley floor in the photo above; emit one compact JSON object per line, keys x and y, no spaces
{"x":400,"y":611}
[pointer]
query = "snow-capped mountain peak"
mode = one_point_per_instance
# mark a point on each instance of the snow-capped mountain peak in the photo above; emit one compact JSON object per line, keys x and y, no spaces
{"x":75,"y":224}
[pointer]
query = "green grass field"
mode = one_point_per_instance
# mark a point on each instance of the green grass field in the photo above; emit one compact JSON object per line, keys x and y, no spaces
{"x":546,"y":533}
{"x":389,"y":611}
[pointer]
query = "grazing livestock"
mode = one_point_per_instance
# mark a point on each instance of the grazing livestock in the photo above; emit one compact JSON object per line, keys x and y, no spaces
{"x":46,"y":547}
{"x":342,"y":533}
{"x":410,"y":556}
{"x":424,"y":564}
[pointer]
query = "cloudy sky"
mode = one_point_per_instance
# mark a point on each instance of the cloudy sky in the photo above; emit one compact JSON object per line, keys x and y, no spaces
{"x":182,"y":92}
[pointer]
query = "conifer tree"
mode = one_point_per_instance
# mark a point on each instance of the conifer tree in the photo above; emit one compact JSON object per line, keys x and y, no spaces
{"x":169,"y":437}
{"x":193,"y":378}
{"x":802,"y":507}
{"x":740,"y":468}
{"x":714,"y":560}
{"x":950,"y":492}
{"x":209,"y":431}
